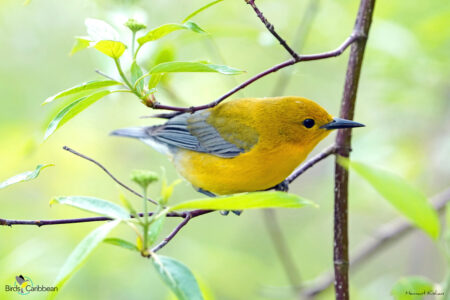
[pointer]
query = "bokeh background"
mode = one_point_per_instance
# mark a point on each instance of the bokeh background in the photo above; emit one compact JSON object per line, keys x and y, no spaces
{"x":403,"y":99}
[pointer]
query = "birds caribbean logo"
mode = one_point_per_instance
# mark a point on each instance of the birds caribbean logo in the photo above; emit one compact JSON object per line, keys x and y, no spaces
{"x":242,"y":145}
{"x":23,"y":282}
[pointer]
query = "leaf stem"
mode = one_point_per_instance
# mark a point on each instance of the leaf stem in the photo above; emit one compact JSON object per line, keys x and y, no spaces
{"x":119,"y":68}
{"x":146,"y":222}
{"x":133,"y":38}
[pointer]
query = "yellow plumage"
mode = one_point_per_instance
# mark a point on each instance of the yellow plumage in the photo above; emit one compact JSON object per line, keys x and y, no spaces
{"x":243,"y":145}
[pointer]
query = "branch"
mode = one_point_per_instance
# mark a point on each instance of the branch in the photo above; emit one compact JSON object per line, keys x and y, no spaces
{"x":383,"y":237}
{"x":39,"y":223}
{"x":187,"y":218}
{"x":271,"y":29}
{"x":303,"y":168}
{"x":343,"y":143}
{"x":351,"y":39}
{"x":107,"y":172}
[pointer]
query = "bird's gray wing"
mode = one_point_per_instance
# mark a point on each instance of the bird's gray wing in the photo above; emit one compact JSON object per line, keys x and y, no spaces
{"x":193,"y":132}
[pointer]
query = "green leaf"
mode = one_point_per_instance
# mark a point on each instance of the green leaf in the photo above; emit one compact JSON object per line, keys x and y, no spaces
{"x":100,"y":30}
{"x":194,"y":27}
{"x":81,"y":43}
{"x":72,"y":110}
{"x":136,"y":73}
{"x":25,"y":176}
{"x":201,"y":9}
{"x":90,"y":85}
{"x":165,"y":29}
{"x":405,"y":198}
{"x":187,"y":66}
{"x":411,"y":288}
{"x":121,"y":243}
{"x":81,"y":253}
{"x":95,"y":205}
{"x":154,"y":80}
{"x":177,"y":277}
{"x":113,"y":49}
{"x":155,"y":228}
{"x":247,"y":201}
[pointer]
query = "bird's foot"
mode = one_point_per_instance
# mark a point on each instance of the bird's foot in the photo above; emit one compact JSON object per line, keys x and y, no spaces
{"x":282,"y":186}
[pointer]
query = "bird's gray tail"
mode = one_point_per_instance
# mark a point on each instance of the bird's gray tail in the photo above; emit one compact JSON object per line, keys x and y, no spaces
{"x":132,"y":132}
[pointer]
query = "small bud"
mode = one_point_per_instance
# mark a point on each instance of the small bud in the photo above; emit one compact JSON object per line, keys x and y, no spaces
{"x":144,"y":177}
{"x":134,"y":26}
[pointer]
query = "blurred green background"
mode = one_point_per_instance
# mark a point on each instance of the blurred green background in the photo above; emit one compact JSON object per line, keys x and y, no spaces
{"x":403,"y":99}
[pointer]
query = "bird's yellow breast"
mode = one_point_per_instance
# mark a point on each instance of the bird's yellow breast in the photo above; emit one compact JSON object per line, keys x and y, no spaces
{"x":256,"y":170}
{"x":278,"y":143}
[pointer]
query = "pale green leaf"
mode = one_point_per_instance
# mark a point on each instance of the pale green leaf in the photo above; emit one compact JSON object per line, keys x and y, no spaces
{"x":201,"y":9}
{"x":72,"y":110}
{"x":405,"y":198}
{"x":412,"y":288}
{"x":113,"y":49}
{"x":100,"y":30}
{"x":90,"y":85}
{"x":95,"y":205}
{"x":155,"y":228}
{"x":25,"y":176}
{"x":177,"y":277}
{"x":194,"y":27}
{"x":121,"y":243}
{"x":81,"y":253}
{"x":165,"y":29}
{"x":81,"y":43}
{"x":187,"y":66}
{"x":136,"y":73}
{"x":154,"y":80}
{"x":270,"y":199}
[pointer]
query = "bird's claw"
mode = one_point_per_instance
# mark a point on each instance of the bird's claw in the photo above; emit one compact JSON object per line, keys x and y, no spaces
{"x":282,"y":186}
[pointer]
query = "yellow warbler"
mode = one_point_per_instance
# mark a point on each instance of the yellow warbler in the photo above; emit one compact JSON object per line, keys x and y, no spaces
{"x":242,"y":145}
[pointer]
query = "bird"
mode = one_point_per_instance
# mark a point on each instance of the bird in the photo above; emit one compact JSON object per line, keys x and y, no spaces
{"x":243,"y":145}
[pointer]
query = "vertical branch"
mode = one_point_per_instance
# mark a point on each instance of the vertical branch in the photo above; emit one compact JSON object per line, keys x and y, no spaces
{"x":343,"y":143}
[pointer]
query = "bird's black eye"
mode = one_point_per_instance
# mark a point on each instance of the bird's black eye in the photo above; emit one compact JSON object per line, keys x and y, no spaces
{"x":308,"y":123}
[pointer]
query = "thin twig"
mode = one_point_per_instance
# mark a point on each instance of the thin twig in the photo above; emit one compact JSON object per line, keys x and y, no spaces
{"x":107,"y":172}
{"x":39,"y":223}
{"x":109,"y":77}
{"x":271,"y":29}
{"x":186,"y":219}
{"x":310,"y":57}
{"x":302,"y":169}
{"x":382,"y":238}
{"x":284,"y":254}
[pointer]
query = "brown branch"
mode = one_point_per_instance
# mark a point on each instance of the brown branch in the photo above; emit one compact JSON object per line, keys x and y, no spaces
{"x":310,"y":57}
{"x":107,"y":172}
{"x":304,"y":167}
{"x":382,"y":238}
{"x":187,"y":218}
{"x":343,"y":143}
{"x":39,"y":223}
{"x":271,"y":29}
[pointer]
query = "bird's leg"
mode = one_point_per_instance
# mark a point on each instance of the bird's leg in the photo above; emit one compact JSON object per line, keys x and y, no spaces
{"x":222,"y":212}
{"x":282,"y":186}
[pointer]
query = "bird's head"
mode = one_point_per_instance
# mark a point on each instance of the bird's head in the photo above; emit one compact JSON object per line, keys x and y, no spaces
{"x":309,"y":121}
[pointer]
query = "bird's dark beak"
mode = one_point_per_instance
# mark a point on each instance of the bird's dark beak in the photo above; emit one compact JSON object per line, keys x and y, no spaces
{"x":338,"y":123}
